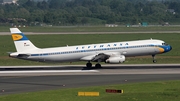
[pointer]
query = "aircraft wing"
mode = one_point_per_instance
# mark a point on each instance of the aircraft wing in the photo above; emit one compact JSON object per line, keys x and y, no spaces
{"x":104,"y":57}
{"x":100,"y":57}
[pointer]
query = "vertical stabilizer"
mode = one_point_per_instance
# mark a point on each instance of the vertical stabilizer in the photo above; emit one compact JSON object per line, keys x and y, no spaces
{"x":21,"y":42}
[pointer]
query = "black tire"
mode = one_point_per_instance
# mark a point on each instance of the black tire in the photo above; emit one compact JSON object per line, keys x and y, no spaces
{"x":89,"y":65}
{"x":154,"y":61}
{"x":98,"y":66}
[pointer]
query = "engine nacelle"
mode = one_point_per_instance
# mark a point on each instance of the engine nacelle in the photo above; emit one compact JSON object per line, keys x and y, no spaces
{"x":116,"y":60}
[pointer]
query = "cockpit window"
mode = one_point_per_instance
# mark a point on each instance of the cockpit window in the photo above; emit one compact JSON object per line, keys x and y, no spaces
{"x":164,"y":44}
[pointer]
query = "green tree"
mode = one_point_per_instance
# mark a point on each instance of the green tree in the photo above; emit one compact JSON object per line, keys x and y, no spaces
{"x":22,"y":13}
{"x":84,"y":20}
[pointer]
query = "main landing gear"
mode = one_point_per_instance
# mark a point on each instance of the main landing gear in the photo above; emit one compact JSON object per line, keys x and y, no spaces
{"x":98,"y":65}
{"x":154,"y":60}
{"x":89,"y":65}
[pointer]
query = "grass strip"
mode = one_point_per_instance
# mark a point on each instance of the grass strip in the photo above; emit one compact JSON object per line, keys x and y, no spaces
{"x":150,"y":91}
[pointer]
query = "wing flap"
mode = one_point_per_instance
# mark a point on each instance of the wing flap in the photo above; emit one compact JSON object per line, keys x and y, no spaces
{"x":100,"y":57}
{"x":88,"y":58}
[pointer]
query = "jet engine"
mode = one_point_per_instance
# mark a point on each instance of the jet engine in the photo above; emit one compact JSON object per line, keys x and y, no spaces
{"x":116,"y":60}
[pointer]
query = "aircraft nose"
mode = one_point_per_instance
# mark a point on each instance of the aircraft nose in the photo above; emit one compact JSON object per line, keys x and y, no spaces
{"x":167,"y":48}
{"x":170,"y":48}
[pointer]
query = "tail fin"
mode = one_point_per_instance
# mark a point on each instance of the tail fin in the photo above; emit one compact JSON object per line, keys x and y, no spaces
{"x":21,"y":42}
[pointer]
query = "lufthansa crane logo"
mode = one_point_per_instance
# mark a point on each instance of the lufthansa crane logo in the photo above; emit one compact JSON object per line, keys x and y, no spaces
{"x":17,"y":37}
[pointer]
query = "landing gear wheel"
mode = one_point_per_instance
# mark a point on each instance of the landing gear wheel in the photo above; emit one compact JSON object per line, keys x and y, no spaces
{"x":89,"y":65}
{"x":98,"y":66}
{"x":154,"y":61}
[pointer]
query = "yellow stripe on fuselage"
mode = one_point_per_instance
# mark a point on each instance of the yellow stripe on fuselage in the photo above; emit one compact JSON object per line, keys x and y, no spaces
{"x":17,"y":37}
{"x":161,"y":50}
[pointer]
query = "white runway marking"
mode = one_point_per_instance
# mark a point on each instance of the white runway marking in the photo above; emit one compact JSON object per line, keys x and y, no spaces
{"x":77,"y":70}
{"x":50,"y":71}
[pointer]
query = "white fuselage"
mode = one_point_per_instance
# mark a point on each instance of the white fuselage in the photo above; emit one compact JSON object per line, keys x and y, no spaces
{"x":77,"y":53}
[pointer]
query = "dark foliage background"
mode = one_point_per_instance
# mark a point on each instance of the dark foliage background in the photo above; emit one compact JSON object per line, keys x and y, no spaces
{"x":90,"y":12}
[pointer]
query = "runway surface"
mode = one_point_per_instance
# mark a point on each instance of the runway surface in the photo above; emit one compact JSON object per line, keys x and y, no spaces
{"x":13,"y":80}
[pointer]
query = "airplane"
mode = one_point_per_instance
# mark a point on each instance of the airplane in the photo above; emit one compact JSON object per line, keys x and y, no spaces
{"x":112,"y":52}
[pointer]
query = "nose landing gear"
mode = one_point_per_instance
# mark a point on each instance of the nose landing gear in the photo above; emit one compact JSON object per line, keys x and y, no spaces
{"x":154,"y":60}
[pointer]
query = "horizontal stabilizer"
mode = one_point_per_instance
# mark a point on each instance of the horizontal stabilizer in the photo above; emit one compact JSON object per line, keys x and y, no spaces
{"x":17,"y":55}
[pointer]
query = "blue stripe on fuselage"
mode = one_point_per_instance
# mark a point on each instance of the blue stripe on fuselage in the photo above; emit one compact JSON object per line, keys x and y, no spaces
{"x":166,"y":48}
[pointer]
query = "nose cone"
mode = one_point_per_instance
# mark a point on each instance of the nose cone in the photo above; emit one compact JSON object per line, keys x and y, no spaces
{"x":164,"y":49}
{"x":168,"y":48}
